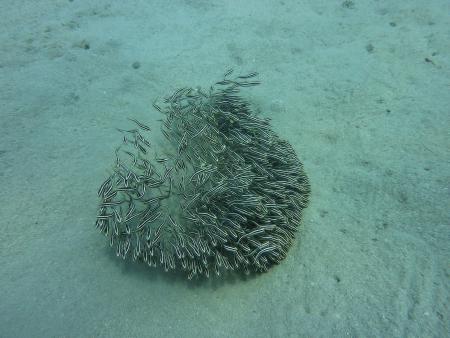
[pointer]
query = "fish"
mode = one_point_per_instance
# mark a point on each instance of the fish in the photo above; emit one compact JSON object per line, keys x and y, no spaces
{"x":228,"y":72}
{"x":158,"y":108}
{"x":253,"y":74}
{"x":141,"y":125}
{"x":148,"y":220}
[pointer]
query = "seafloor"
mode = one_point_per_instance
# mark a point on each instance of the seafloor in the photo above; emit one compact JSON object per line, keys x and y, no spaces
{"x":360,"y":89}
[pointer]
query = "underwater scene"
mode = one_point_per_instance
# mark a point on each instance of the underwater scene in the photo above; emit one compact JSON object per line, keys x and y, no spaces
{"x":225,"y":168}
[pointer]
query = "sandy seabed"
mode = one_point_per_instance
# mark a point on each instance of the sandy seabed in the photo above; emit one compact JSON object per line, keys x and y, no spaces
{"x":360,"y":89}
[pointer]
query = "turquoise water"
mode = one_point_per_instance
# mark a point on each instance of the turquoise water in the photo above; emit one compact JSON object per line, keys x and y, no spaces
{"x":359,"y":89}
